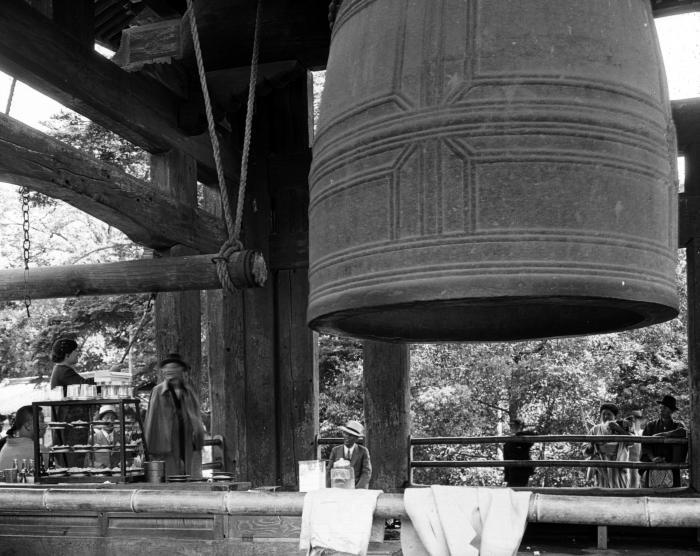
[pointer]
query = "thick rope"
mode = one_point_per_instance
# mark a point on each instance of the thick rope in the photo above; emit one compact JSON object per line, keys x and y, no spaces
{"x":233,"y":243}
{"x":248,"y":119}
{"x":210,"y":118}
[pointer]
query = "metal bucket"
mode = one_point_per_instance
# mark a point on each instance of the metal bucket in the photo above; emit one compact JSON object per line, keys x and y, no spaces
{"x":492,"y":170}
{"x":155,"y":471}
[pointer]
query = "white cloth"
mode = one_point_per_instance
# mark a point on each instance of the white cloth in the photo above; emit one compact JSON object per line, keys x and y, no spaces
{"x":338,"y":519}
{"x":463,"y":521}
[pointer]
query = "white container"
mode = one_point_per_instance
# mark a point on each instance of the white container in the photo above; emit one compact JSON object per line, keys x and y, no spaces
{"x":312,"y":475}
{"x":73,"y":391}
{"x":342,"y":477}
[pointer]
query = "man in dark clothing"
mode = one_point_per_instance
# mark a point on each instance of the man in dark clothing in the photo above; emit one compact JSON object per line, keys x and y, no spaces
{"x":513,"y":450}
{"x":357,"y":455}
{"x":665,"y":426}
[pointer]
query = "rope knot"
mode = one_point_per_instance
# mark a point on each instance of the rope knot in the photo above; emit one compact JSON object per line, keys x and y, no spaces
{"x":239,"y":268}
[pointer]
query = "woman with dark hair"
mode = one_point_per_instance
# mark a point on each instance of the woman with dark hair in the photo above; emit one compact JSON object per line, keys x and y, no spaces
{"x":64,"y":354}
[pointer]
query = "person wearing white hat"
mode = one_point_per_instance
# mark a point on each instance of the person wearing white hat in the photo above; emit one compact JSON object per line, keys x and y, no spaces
{"x":357,"y":455}
{"x":104,"y":437}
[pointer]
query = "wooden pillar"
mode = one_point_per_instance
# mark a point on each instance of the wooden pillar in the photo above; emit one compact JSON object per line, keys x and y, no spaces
{"x":387,"y":413}
{"x":297,"y":356}
{"x":262,"y":360}
{"x":226,"y":348}
{"x":178,"y":314}
{"x":260,"y":357}
{"x":692,"y":187}
{"x":287,"y":113}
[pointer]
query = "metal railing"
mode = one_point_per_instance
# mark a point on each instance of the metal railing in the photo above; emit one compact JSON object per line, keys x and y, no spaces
{"x":534,"y":439}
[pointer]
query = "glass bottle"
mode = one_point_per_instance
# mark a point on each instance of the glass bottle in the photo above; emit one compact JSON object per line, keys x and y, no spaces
{"x":30,"y":472}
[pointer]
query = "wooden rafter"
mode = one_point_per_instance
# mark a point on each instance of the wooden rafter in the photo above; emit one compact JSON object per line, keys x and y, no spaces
{"x":37,"y":52}
{"x":148,"y":216}
{"x":672,"y":7}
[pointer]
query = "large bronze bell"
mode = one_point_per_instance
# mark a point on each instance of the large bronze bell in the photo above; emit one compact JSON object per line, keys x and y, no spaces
{"x":492,"y":170}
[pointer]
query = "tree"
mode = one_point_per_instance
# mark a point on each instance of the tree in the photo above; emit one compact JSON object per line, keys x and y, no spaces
{"x":61,"y":234}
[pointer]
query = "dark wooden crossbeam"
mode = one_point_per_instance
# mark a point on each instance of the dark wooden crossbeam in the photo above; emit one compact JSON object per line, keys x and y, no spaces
{"x":149,"y":217}
{"x":672,"y":7}
{"x":39,"y":53}
{"x":686,"y":117}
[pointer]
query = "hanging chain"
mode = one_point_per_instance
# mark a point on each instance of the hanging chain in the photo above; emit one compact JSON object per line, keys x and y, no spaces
{"x":142,"y":322}
{"x":26,"y":246}
{"x":233,"y":243}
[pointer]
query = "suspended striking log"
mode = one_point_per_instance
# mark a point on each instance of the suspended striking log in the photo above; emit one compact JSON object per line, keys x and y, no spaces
{"x":492,"y":171}
{"x":246,"y":268}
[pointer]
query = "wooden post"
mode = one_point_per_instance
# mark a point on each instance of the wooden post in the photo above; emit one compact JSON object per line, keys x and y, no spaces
{"x":387,"y":413}
{"x":178,"y":314}
{"x":241,"y":356}
{"x":284,"y":114}
{"x":602,"y":537}
{"x":261,"y":390}
{"x":225,"y":349}
{"x":692,"y":187}
{"x":297,"y":356}
{"x":262,"y":359}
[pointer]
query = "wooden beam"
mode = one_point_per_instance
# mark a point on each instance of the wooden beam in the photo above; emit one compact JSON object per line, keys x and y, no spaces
{"x":289,"y":31}
{"x":147,"y":275}
{"x":226,"y":349}
{"x":387,"y":413}
{"x":77,"y":18}
{"x":284,"y":113}
{"x":178,"y":315}
{"x":31,"y":158}
{"x":692,"y":186}
{"x":686,"y":117}
{"x":37,"y":52}
{"x":672,"y":7}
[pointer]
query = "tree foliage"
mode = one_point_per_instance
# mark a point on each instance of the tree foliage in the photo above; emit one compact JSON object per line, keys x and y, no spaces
{"x":61,"y":234}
